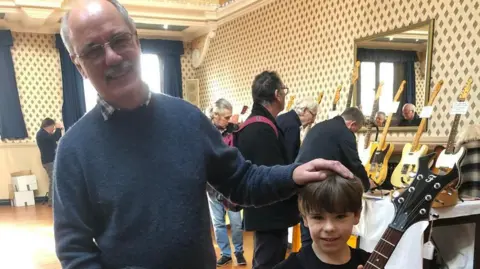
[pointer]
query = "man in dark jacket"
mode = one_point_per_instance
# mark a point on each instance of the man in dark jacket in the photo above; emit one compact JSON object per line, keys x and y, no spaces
{"x":334,"y":139}
{"x":259,"y":143}
{"x":47,"y":137}
{"x":302,"y":115}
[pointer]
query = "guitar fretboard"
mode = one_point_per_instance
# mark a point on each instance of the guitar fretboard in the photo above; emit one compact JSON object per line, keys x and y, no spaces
{"x":384,"y":249}
{"x":453,"y":134}
{"x":349,"y":98}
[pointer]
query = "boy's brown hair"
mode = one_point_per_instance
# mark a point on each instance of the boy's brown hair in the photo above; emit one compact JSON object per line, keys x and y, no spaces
{"x":333,"y":195}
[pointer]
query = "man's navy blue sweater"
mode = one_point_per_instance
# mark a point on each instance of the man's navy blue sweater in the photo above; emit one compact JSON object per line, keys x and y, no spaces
{"x":131,"y":190}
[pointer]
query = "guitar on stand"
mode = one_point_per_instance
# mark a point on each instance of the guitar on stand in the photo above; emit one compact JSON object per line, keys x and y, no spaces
{"x":377,"y":165}
{"x":411,"y":206}
{"x":448,"y":158}
{"x":290,"y":103}
{"x":366,"y":150}
{"x":352,"y":84}
{"x":405,"y":171}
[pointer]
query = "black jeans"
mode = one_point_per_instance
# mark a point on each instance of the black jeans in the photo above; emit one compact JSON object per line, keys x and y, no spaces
{"x":270,"y":248}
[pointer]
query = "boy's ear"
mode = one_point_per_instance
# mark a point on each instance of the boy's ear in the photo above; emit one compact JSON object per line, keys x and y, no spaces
{"x":305,"y":221}
{"x":356,"y":217}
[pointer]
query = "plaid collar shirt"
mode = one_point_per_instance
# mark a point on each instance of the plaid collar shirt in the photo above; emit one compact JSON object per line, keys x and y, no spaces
{"x":108,"y":110}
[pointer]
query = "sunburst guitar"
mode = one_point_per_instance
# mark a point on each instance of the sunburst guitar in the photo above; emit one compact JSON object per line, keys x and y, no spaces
{"x":405,"y":171}
{"x":365,"y":150}
{"x":377,"y":164}
{"x":448,"y":158}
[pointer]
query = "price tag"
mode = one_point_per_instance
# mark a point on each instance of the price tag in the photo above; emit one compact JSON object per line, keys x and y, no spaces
{"x":426,"y":112}
{"x":332,"y":114}
{"x":428,"y":249}
{"x":393,"y":108}
{"x":459,"y":108}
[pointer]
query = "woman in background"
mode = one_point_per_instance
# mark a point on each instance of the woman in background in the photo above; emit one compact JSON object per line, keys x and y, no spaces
{"x":220,"y":114}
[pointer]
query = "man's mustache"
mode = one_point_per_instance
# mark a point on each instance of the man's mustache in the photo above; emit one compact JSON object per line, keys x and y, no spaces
{"x":119,"y":69}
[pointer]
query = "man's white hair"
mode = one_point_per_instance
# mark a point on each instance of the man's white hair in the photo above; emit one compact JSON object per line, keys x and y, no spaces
{"x":65,"y":31}
{"x":303,"y":104}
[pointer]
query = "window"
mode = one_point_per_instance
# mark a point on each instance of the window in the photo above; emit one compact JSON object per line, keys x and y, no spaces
{"x":151,"y":75}
{"x":369,"y":84}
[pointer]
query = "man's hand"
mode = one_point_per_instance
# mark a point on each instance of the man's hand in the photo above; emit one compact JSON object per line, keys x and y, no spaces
{"x":59,"y":125}
{"x":360,"y":267}
{"x":318,"y":170}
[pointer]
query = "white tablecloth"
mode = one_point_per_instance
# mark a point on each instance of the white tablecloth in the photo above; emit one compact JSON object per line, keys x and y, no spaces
{"x":455,"y":243}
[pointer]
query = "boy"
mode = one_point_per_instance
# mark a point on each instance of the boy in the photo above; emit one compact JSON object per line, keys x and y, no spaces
{"x":329,"y":209}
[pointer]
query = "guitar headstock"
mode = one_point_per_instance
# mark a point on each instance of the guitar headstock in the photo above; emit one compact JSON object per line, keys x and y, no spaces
{"x":435,"y":92}
{"x":414,"y":204}
{"x":355,"y":72}
{"x":337,"y":94}
{"x":320,"y":97}
{"x":244,"y":110}
{"x":290,"y":102}
{"x":464,"y":94}
{"x":379,"y":90}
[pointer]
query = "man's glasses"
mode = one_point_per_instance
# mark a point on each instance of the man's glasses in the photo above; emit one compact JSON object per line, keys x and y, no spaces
{"x":118,"y":43}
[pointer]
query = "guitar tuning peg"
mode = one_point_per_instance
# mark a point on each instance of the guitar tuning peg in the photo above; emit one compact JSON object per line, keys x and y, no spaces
{"x":434,"y":215}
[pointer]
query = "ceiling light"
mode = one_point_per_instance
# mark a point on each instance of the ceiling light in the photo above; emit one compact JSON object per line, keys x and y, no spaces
{"x":165,"y":26}
{"x":391,"y":38}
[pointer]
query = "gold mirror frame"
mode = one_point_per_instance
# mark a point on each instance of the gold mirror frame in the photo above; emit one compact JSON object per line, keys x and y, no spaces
{"x":428,"y":68}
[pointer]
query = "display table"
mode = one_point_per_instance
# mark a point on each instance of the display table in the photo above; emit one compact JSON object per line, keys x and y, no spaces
{"x":378,"y":213}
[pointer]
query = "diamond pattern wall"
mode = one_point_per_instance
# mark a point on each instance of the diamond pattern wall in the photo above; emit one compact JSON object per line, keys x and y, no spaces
{"x":310,"y":43}
{"x":39,"y":79}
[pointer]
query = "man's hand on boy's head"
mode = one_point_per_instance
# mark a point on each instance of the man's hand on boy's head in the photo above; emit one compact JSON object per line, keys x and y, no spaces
{"x":360,"y":267}
{"x":318,"y":170}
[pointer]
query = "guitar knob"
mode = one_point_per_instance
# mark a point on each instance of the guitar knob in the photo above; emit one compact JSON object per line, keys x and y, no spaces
{"x":423,"y":211}
{"x":437,"y":185}
{"x":428,"y":197}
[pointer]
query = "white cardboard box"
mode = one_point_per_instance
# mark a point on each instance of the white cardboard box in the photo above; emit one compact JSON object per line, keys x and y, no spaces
{"x":25,"y":183}
{"x":23,"y":198}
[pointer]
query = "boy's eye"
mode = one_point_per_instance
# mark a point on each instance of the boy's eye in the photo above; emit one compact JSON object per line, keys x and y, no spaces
{"x":318,"y":217}
{"x":341,"y":216}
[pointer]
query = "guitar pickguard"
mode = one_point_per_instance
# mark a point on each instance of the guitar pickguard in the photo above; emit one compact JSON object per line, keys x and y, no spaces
{"x":449,"y":160}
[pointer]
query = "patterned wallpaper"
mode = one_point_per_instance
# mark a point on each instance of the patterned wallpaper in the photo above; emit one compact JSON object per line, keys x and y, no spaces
{"x":310,"y":44}
{"x":419,"y":88}
{"x":39,"y":79}
{"x":187,"y":67}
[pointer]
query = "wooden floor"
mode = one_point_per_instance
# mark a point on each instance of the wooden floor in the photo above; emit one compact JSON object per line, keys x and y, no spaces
{"x":26,"y":239}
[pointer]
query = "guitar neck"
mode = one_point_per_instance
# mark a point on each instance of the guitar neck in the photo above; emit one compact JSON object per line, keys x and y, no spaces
{"x":372,"y":119}
{"x":334,"y":107}
{"x":385,"y":132}
{"x":384,"y":249}
{"x":453,"y":134}
{"x":416,"y":139}
{"x":350,"y":95}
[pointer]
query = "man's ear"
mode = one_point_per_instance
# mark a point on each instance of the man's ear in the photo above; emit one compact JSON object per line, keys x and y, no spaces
{"x":78,"y":66}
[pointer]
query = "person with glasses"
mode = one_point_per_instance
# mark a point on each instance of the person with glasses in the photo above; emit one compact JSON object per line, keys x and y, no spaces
{"x":264,"y":145}
{"x":300,"y":117}
{"x":130,"y":176}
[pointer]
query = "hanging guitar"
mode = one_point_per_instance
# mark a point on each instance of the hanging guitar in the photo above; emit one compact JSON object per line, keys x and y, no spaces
{"x":290,"y":103}
{"x":406,"y":169}
{"x":352,"y":83}
{"x":448,"y":157}
{"x":377,"y":165}
{"x":366,"y":150}
{"x":411,"y":206}
{"x":333,"y":113}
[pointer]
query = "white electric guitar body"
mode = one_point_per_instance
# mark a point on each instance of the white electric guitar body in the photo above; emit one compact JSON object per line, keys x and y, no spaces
{"x":448,"y":161}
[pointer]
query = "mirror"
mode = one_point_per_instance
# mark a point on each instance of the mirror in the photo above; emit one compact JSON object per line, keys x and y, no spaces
{"x":391,"y":57}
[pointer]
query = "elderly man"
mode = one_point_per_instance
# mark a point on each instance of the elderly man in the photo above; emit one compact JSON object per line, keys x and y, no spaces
{"x":410,"y":117}
{"x":130,"y":176}
{"x":302,"y":115}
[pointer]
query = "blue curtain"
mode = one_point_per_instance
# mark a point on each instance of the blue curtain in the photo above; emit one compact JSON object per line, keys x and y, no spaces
{"x":169,"y":53}
{"x":409,"y":96}
{"x":73,"y":95}
{"x":391,"y":56}
{"x":12,"y":123}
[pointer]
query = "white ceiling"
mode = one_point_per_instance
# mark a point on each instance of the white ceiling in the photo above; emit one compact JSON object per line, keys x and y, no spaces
{"x":176,"y":20}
